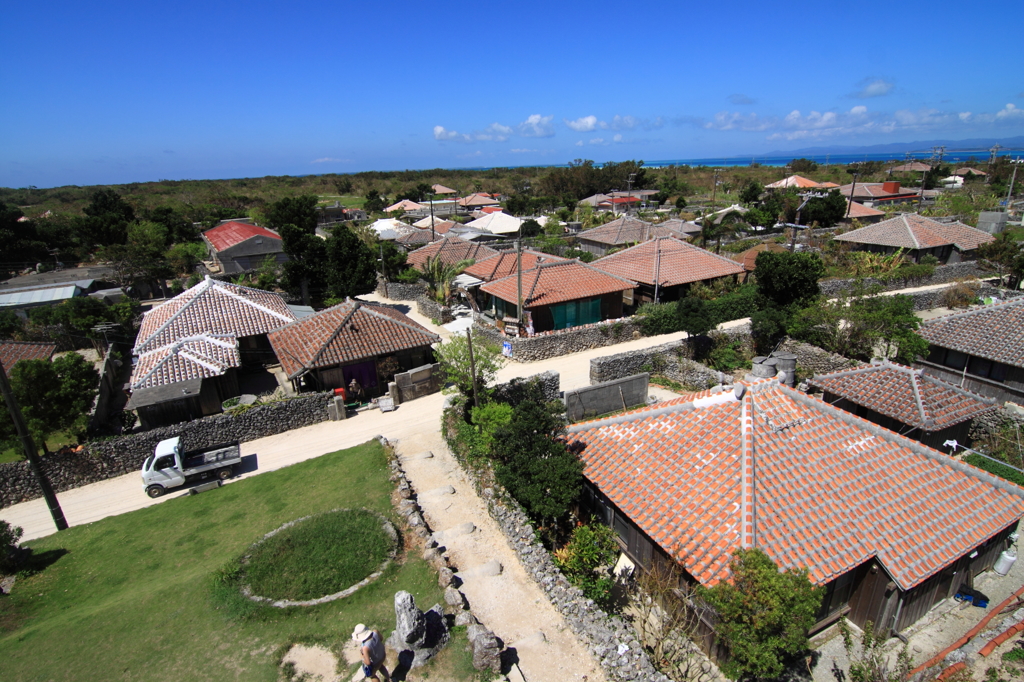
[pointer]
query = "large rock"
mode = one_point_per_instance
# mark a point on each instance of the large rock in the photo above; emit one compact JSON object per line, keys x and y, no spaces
{"x":486,"y":648}
{"x":418,"y":636}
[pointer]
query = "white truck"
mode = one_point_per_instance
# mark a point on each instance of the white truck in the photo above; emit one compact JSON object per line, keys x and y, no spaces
{"x":169,"y":466}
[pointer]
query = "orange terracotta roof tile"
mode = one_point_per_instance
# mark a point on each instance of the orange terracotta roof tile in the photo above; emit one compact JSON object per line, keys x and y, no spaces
{"x":912,"y":231}
{"x":551,"y":283}
{"x":673,"y":260}
{"x":504,"y":264}
{"x":763,"y":469}
{"x":994,"y":332}
{"x":13,"y":351}
{"x":349,"y":331}
{"x":905,"y":394}
{"x":450,"y":250}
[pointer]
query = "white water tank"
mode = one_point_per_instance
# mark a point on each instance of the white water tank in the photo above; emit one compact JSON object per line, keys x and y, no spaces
{"x":1005,"y":561}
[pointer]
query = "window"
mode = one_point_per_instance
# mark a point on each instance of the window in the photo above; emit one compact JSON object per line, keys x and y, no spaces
{"x":165,"y":462}
{"x":955,"y":359}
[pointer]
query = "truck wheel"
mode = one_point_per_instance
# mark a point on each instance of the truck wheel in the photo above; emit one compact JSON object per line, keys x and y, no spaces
{"x":224,"y":474}
{"x":155,"y":491}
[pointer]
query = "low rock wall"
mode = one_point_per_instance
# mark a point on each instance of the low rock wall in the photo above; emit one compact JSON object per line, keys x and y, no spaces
{"x":564,"y":341}
{"x":434,"y":310}
{"x":401,"y":291}
{"x":812,"y":360}
{"x":990,"y":423}
{"x":550,"y":386}
{"x":942,"y":274}
{"x":607,"y":397}
{"x":109,"y":458}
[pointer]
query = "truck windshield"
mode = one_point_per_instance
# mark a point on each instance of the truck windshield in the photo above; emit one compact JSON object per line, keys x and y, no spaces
{"x":149,"y":460}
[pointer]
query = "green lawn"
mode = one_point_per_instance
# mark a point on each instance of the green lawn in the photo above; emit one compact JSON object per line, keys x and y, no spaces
{"x":129,"y":597}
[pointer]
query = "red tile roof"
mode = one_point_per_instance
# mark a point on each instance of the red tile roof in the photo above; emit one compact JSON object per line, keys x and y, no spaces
{"x":994,"y":332}
{"x":349,"y":331}
{"x":858,"y":210}
{"x":13,"y":351}
{"x":231,"y":234}
{"x":877,"y":191}
{"x":912,"y":167}
{"x":195,"y":357}
{"x":627,"y":230}
{"x":673,"y":260}
{"x":912,"y":231}
{"x":551,"y":283}
{"x":212,"y":307}
{"x":748,"y":259}
{"x":504,"y":264}
{"x":813,"y":486}
{"x":450,"y":250}
{"x":905,"y":394}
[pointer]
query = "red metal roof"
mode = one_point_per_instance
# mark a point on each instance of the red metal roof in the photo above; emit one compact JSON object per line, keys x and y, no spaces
{"x":349,"y":331}
{"x":813,"y":486}
{"x":231,"y":234}
{"x":673,"y":260}
{"x":906,"y":395}
{"x":551,"y":283}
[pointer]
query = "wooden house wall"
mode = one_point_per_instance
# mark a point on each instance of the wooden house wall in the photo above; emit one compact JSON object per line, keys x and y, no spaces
{"x":256,"y":350}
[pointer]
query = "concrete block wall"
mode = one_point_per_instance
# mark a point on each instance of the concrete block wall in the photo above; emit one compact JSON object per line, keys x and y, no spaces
{"x":606,"y":397}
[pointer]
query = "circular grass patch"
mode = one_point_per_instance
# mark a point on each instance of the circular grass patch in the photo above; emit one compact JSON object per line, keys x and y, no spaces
{"x":318,"y":556}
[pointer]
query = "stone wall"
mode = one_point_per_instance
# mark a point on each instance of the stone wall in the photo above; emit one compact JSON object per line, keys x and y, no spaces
{"x":550,"y":386}
{"x":942,"y":274}
{"x":670,"y":360}
{"x":564,"y":341}
{"x":109,"y":458}
{"x":434,"y":310}
{"x":607,"y":397}
{"x":989,"y":423}
{"x":812,"y":360}
{"x":402,"y":291}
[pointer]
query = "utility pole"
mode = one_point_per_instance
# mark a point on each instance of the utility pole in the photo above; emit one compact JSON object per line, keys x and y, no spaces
{"x":1013,"y":178}
{"x":519,"y":280}
{"x":853,"y":192}
{"x":30,"y":452}
{"x":920,"y":196}
{"x":657,"y":267}
{"x":629,"y":191}
{"x":472,"y":368}
{"x":433,"y":237}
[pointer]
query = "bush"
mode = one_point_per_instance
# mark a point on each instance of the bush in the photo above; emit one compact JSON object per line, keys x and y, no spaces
{"x":408,"y":276}
{"x":733,"y":306}
{"x":587,"y":561}
{"x":962,"y":294}
{"x":488,"y":419}
{"x":9,"y":537}
{"x":657,"y":318}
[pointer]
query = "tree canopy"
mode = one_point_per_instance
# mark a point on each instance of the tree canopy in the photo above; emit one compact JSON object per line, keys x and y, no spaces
{"x":786,"y":278}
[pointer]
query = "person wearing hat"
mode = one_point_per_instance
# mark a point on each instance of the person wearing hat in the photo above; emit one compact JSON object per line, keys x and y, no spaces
{"x":371,"y":647}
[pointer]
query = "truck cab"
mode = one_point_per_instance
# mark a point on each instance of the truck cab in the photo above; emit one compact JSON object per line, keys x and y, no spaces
{"x":164,"y":467}
{"x":170,"y":466}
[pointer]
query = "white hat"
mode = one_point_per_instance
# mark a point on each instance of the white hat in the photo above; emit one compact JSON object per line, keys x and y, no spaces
{"x":361,"y":633}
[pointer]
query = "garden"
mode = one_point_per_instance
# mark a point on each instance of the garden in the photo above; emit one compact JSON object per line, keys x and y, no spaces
{"x":155,"y":594}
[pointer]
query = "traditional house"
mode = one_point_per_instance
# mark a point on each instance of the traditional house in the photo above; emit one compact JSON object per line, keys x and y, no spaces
{"x":477,"y":200}
{"x":875,"y":193}
{"x":627,"y":231}
{"x":918,"y":236}
{"x":352,"y":340}
{"x":404,"y":206}
{"x":496,"y":223}
{"x":861,"y":213}
{"x":557,"y":295}
{"x":236,"y":247}
{"x":912,"y":167}
{"x":907,"y":401}
{"x":506,"y":263}
{"x":793,"y":181}
{"x":450,"y":250}
{"x":748,"y":259}
{"x":12,"y":352}
{"x":189,"y":349}
{"x":981,"y":350}
{"x":887,"y":526}
{"x":666,"y":266}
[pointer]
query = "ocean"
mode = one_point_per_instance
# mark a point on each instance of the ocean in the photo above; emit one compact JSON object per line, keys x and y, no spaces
{"x":980,"y":156}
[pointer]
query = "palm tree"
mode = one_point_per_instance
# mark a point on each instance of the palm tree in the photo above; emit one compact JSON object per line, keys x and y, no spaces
{"x":440,"y":276}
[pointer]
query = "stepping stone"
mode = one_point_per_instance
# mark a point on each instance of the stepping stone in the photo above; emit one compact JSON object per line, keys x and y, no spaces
{"x":426,"y":454}
{"x":443,"y":490}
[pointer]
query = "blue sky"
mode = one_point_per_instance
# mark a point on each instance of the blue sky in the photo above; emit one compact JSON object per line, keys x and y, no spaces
{"x":134,"y":91}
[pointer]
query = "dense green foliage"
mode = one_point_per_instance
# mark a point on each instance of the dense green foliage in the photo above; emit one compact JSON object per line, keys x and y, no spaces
{"x":666,"y":318}
{"x":453,"y":355}
{"x":9,"y":537}
{"x":318,"y":556}
{"x":764,"y":614}
{"x":54,"y":397}
{"x":785,"y":279}
{"x":587,"y":561}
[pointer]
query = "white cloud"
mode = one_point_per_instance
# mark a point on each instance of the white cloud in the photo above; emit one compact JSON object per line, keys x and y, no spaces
{"x":964,"y":116}
{"x":325,"y":159}
{"x":440,"y":133}
{"x":582,"y":125}
{"x":579,"y":143}
{"x":1009,"y":112}
{"x":617,"y":138}
{"x":725,"y":120}
{"x":598,"y":140}
{"x":536,"y":126}
{"x":524,"y":151}
{"x":873,"y":87}
{"x":859,"y":110}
